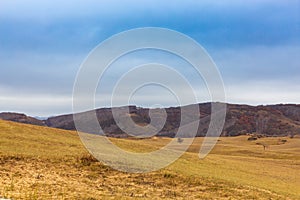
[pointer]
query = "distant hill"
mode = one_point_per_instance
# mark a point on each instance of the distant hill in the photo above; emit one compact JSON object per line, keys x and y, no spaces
{"x":21,"y":118}
{"x":270,"y":120}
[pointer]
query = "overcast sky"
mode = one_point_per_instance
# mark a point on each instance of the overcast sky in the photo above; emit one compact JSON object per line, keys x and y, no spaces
{"x":254,"y":43}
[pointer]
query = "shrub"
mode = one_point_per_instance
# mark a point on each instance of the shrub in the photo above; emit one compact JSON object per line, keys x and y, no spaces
{"x":179,"y":140}
{"x":252,"y":138}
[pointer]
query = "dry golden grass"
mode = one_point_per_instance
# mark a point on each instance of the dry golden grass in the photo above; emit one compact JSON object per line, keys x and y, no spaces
{"x":45,"y":163}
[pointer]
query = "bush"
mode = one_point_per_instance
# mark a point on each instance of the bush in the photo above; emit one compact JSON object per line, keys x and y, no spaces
{"x":179,"y":140}
{"x":87,"y":160}
{"x":252,"y":138}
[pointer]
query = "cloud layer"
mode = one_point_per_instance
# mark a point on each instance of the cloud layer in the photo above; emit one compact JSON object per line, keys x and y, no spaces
{"x":255,"y":44}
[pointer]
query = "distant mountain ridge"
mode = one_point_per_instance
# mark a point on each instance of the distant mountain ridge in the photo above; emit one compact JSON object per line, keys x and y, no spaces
{"x":21,"y":118}
{"x":269,"y":120}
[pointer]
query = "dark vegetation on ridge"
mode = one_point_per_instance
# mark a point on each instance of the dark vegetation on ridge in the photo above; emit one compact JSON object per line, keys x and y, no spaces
{"x":270,"y":120}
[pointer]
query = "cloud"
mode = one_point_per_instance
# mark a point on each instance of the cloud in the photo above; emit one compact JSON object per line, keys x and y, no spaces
{"x":42,"y":44}
{"x":36,"y":104}
{"x":259,"y":63}
{"x":253,"y":75}
{"x":73,"y":26}
{"x":253,"y":93}
{"x":39,"y":72}
{"x":263,"y":92}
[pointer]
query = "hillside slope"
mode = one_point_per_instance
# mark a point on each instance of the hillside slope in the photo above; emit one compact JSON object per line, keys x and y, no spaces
{"x":46,"y":163}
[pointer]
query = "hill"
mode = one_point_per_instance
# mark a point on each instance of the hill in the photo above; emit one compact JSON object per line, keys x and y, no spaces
{"x":21,"y":118}
{"x":46,"y":163}
{"x":270,"y":120}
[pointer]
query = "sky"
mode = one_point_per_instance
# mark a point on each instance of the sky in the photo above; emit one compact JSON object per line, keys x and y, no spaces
{"x":254,"y":43}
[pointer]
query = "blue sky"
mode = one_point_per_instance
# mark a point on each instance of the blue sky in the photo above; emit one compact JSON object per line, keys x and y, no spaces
{"x":255,"y":44}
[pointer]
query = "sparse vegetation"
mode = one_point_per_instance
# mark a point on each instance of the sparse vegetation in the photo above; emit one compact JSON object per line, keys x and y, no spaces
{"x":179,"y":140}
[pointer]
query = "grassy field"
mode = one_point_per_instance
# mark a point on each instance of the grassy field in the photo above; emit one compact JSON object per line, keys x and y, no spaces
{"x":45,"y":163}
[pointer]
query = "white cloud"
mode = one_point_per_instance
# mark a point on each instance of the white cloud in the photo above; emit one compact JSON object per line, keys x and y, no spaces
{"x":36,"y":104}
{"x":263,"y":92}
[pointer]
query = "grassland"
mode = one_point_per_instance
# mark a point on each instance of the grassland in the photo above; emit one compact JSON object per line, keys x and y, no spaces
{"x":45,"y":163}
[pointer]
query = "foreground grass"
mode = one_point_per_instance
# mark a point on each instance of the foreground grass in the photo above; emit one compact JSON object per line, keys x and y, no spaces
{"x":44,"y":163}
